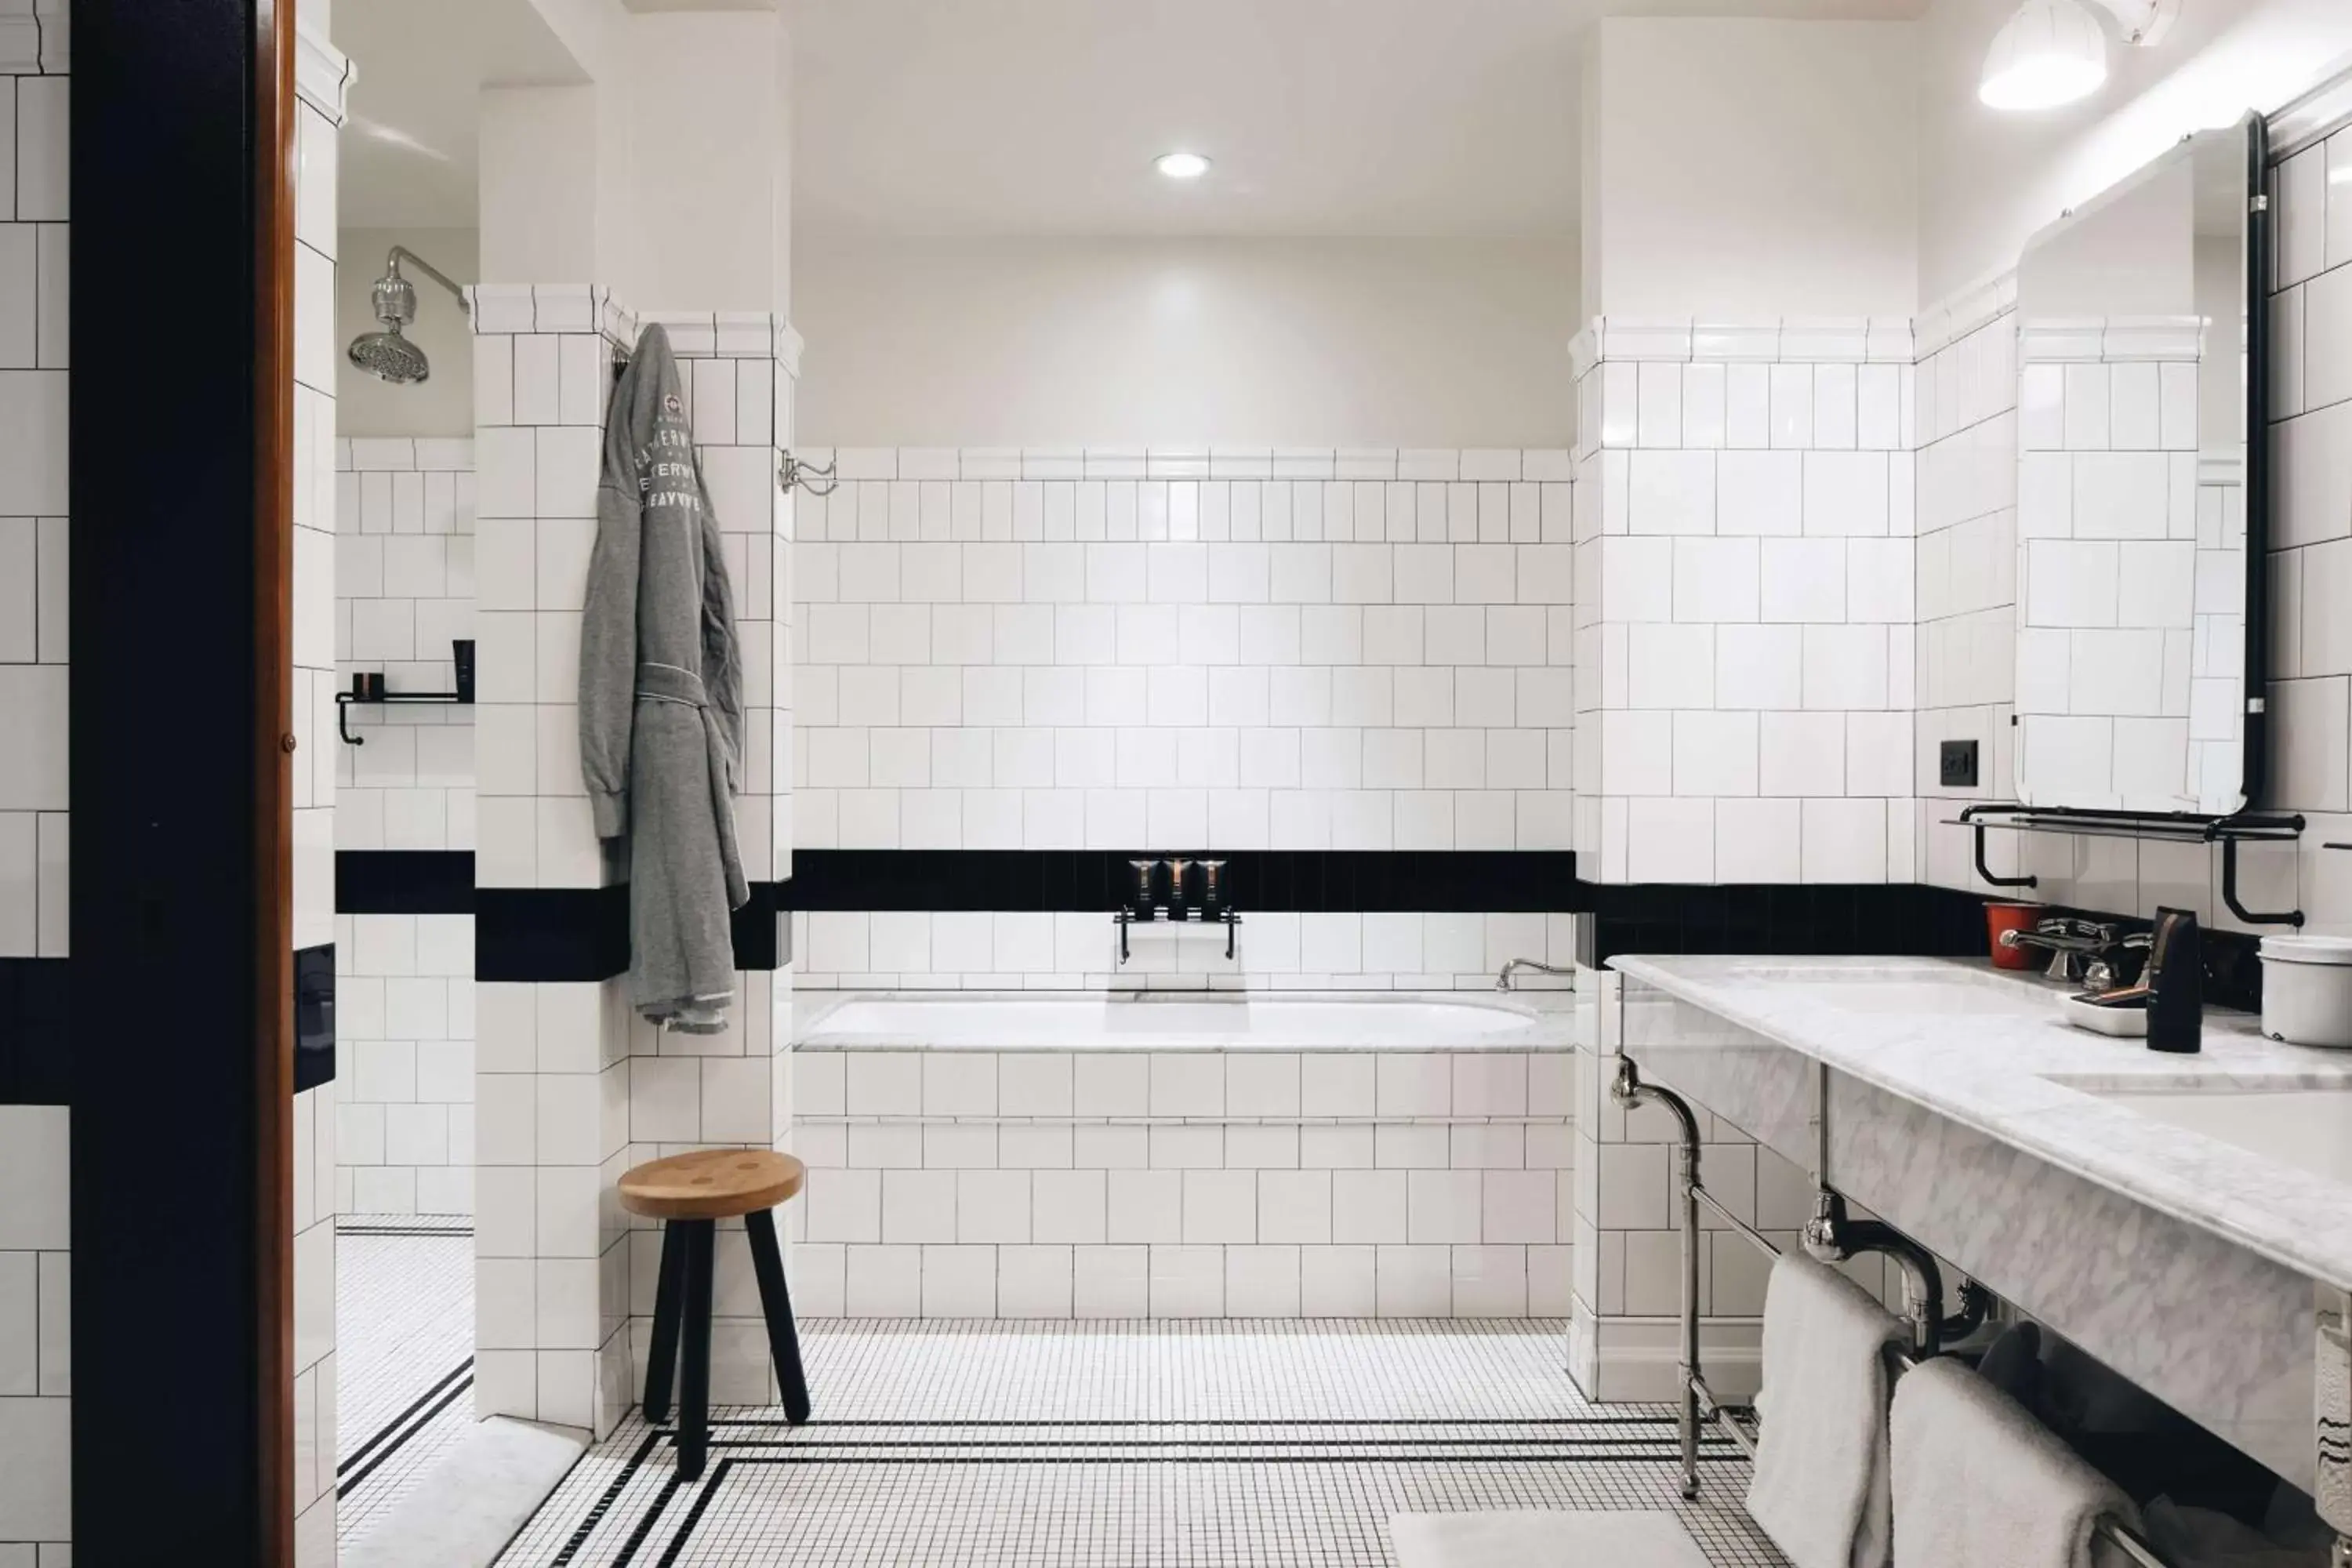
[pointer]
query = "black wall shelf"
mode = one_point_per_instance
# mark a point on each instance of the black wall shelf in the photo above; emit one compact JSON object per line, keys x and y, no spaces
{"x":367,"y":691}
{"x":2171,"y":827}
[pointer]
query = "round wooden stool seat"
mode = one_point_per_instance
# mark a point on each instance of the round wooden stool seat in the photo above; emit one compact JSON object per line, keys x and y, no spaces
{"x":712,"y":1184}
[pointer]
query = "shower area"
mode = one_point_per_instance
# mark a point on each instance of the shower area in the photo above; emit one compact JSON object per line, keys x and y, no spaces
{"x":404,"y":638}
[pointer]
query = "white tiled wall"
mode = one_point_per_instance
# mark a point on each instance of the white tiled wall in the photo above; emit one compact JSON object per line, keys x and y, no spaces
{"x":2127,"y":677}
{"x":35,"y":1369}
{"x":33,"y":379}
{"x":36,"y":1366}
{"x":1182,"y":1183}
{"x":1201,"y":650}
{"x":2310,"y":756}
{"x":2311,"y":532}
{"x":1745,"y":595}
{"x":920,"y":950}
{"x":570,"y":1089}
{"x":551,"y":1085}
{"x":404,"y":592}
{"x":1968,"y":467}
{"x":322,"y":77}
{"x":404,"y":1099}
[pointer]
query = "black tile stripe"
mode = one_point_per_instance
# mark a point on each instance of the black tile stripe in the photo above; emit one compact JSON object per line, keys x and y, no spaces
{"x":560,"y":934}
{"x":532,"y":934}
{"x":314,"y":1017}
{"x":36,"y":1064}
{"x":403,"y":882}
{"x":1312,"y":880}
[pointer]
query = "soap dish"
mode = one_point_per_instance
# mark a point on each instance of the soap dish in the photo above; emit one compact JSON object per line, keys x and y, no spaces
{"x":2124,"y":1023}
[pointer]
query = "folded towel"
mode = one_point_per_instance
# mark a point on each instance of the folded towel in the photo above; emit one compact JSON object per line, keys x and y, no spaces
{"x":1820,"y":1490}
{"x":1978,"y":1481}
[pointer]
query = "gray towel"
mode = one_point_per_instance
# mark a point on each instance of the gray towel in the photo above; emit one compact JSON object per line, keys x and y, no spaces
{"x":1820,"y":1487}
{"x":661,"y":699}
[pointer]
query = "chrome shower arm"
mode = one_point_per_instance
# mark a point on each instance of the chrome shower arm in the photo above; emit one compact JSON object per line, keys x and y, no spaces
{"x":401,"y":253}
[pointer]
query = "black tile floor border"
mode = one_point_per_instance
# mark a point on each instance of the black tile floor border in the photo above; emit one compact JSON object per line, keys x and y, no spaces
{"x":814,"y":1449}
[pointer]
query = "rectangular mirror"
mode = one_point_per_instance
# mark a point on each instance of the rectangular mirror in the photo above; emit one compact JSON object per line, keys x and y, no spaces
{"x":2139,"y":626}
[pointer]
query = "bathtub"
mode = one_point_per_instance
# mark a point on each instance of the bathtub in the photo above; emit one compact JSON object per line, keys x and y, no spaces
{"x":1028,"y":1021}
{"x":1074,"y":1155}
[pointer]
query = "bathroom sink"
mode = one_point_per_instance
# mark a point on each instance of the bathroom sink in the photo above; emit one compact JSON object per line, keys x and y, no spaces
{"x":2308,"y":1129}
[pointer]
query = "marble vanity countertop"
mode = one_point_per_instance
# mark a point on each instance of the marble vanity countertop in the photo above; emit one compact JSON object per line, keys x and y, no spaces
{"x":1991,"y":1051}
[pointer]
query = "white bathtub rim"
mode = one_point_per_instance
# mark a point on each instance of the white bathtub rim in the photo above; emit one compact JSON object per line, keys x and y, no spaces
{"x":1548,"y":1015}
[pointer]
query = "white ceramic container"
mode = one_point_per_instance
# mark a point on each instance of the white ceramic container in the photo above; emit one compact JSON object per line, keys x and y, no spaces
{"x":2307,"y":990}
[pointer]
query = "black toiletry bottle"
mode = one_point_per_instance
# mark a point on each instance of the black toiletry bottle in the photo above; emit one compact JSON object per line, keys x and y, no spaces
{"x":2176,"y":984}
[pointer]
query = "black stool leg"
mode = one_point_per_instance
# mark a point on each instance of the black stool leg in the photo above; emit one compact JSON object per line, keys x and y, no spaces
{"x":784,"y":1340}
{"x":694,"y":1381}
{"x":662,"y":1365}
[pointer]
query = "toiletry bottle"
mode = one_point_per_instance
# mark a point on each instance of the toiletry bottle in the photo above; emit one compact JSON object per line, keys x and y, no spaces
{"x":2176,"y":984}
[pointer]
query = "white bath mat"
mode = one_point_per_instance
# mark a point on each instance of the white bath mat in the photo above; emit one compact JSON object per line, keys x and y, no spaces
{"x":1527,"y":1538}
{"x":464,"y":1511}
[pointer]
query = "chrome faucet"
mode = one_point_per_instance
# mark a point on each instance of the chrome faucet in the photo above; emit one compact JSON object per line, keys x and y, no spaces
{"x":1503,"y":980}
{"x":2088,"y":952}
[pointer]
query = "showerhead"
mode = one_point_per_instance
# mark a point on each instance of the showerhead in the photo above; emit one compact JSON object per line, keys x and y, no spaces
{"x":389,"y":353}
{"x":391,"y":356}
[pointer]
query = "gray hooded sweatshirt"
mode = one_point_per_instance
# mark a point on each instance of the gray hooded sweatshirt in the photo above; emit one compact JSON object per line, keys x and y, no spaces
{"x":661,"y":699}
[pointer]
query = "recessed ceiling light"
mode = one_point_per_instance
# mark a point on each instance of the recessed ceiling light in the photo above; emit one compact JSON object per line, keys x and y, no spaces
{"x":1181,"y":165}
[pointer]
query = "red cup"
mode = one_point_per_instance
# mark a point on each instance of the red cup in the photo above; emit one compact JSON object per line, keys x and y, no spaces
{"x":2001,"y":919}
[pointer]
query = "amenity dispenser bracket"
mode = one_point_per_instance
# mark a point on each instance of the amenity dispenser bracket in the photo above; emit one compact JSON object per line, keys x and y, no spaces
{"x":368,"y":689}
{"x":1163,"y":893}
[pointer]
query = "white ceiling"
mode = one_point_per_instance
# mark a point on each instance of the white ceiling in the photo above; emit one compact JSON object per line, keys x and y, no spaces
{"x":1325,"y":117}
{"x":410,"y":152}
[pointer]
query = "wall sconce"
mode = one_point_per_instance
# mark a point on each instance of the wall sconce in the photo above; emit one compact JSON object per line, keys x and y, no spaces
{"x":2053,"y":51}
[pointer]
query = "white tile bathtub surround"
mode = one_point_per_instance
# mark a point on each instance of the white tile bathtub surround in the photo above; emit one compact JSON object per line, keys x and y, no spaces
{"x":2131,"y":612}
{"x":403,"y":592}
{"x":403,"y":1093}
{"x":1071,"y":950}
{"x":1259,"y":648}
{"x":1182,"y":1183}
{"x":571,"y":1087}
{"x":1745,"y":595}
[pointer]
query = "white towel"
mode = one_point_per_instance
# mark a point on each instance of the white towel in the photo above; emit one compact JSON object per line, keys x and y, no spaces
{"x":1820,"y":1490}
{"x":1978,"y":1481}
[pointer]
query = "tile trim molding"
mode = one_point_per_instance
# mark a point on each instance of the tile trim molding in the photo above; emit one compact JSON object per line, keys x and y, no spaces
{"x":323,"y":75}
{"x":36,"y":45}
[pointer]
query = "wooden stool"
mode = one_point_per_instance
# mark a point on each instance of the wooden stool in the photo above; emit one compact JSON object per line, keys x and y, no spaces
{"x":690,"y":1193}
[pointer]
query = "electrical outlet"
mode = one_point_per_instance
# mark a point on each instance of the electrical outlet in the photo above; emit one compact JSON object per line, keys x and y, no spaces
{"x":1959,"y":764}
